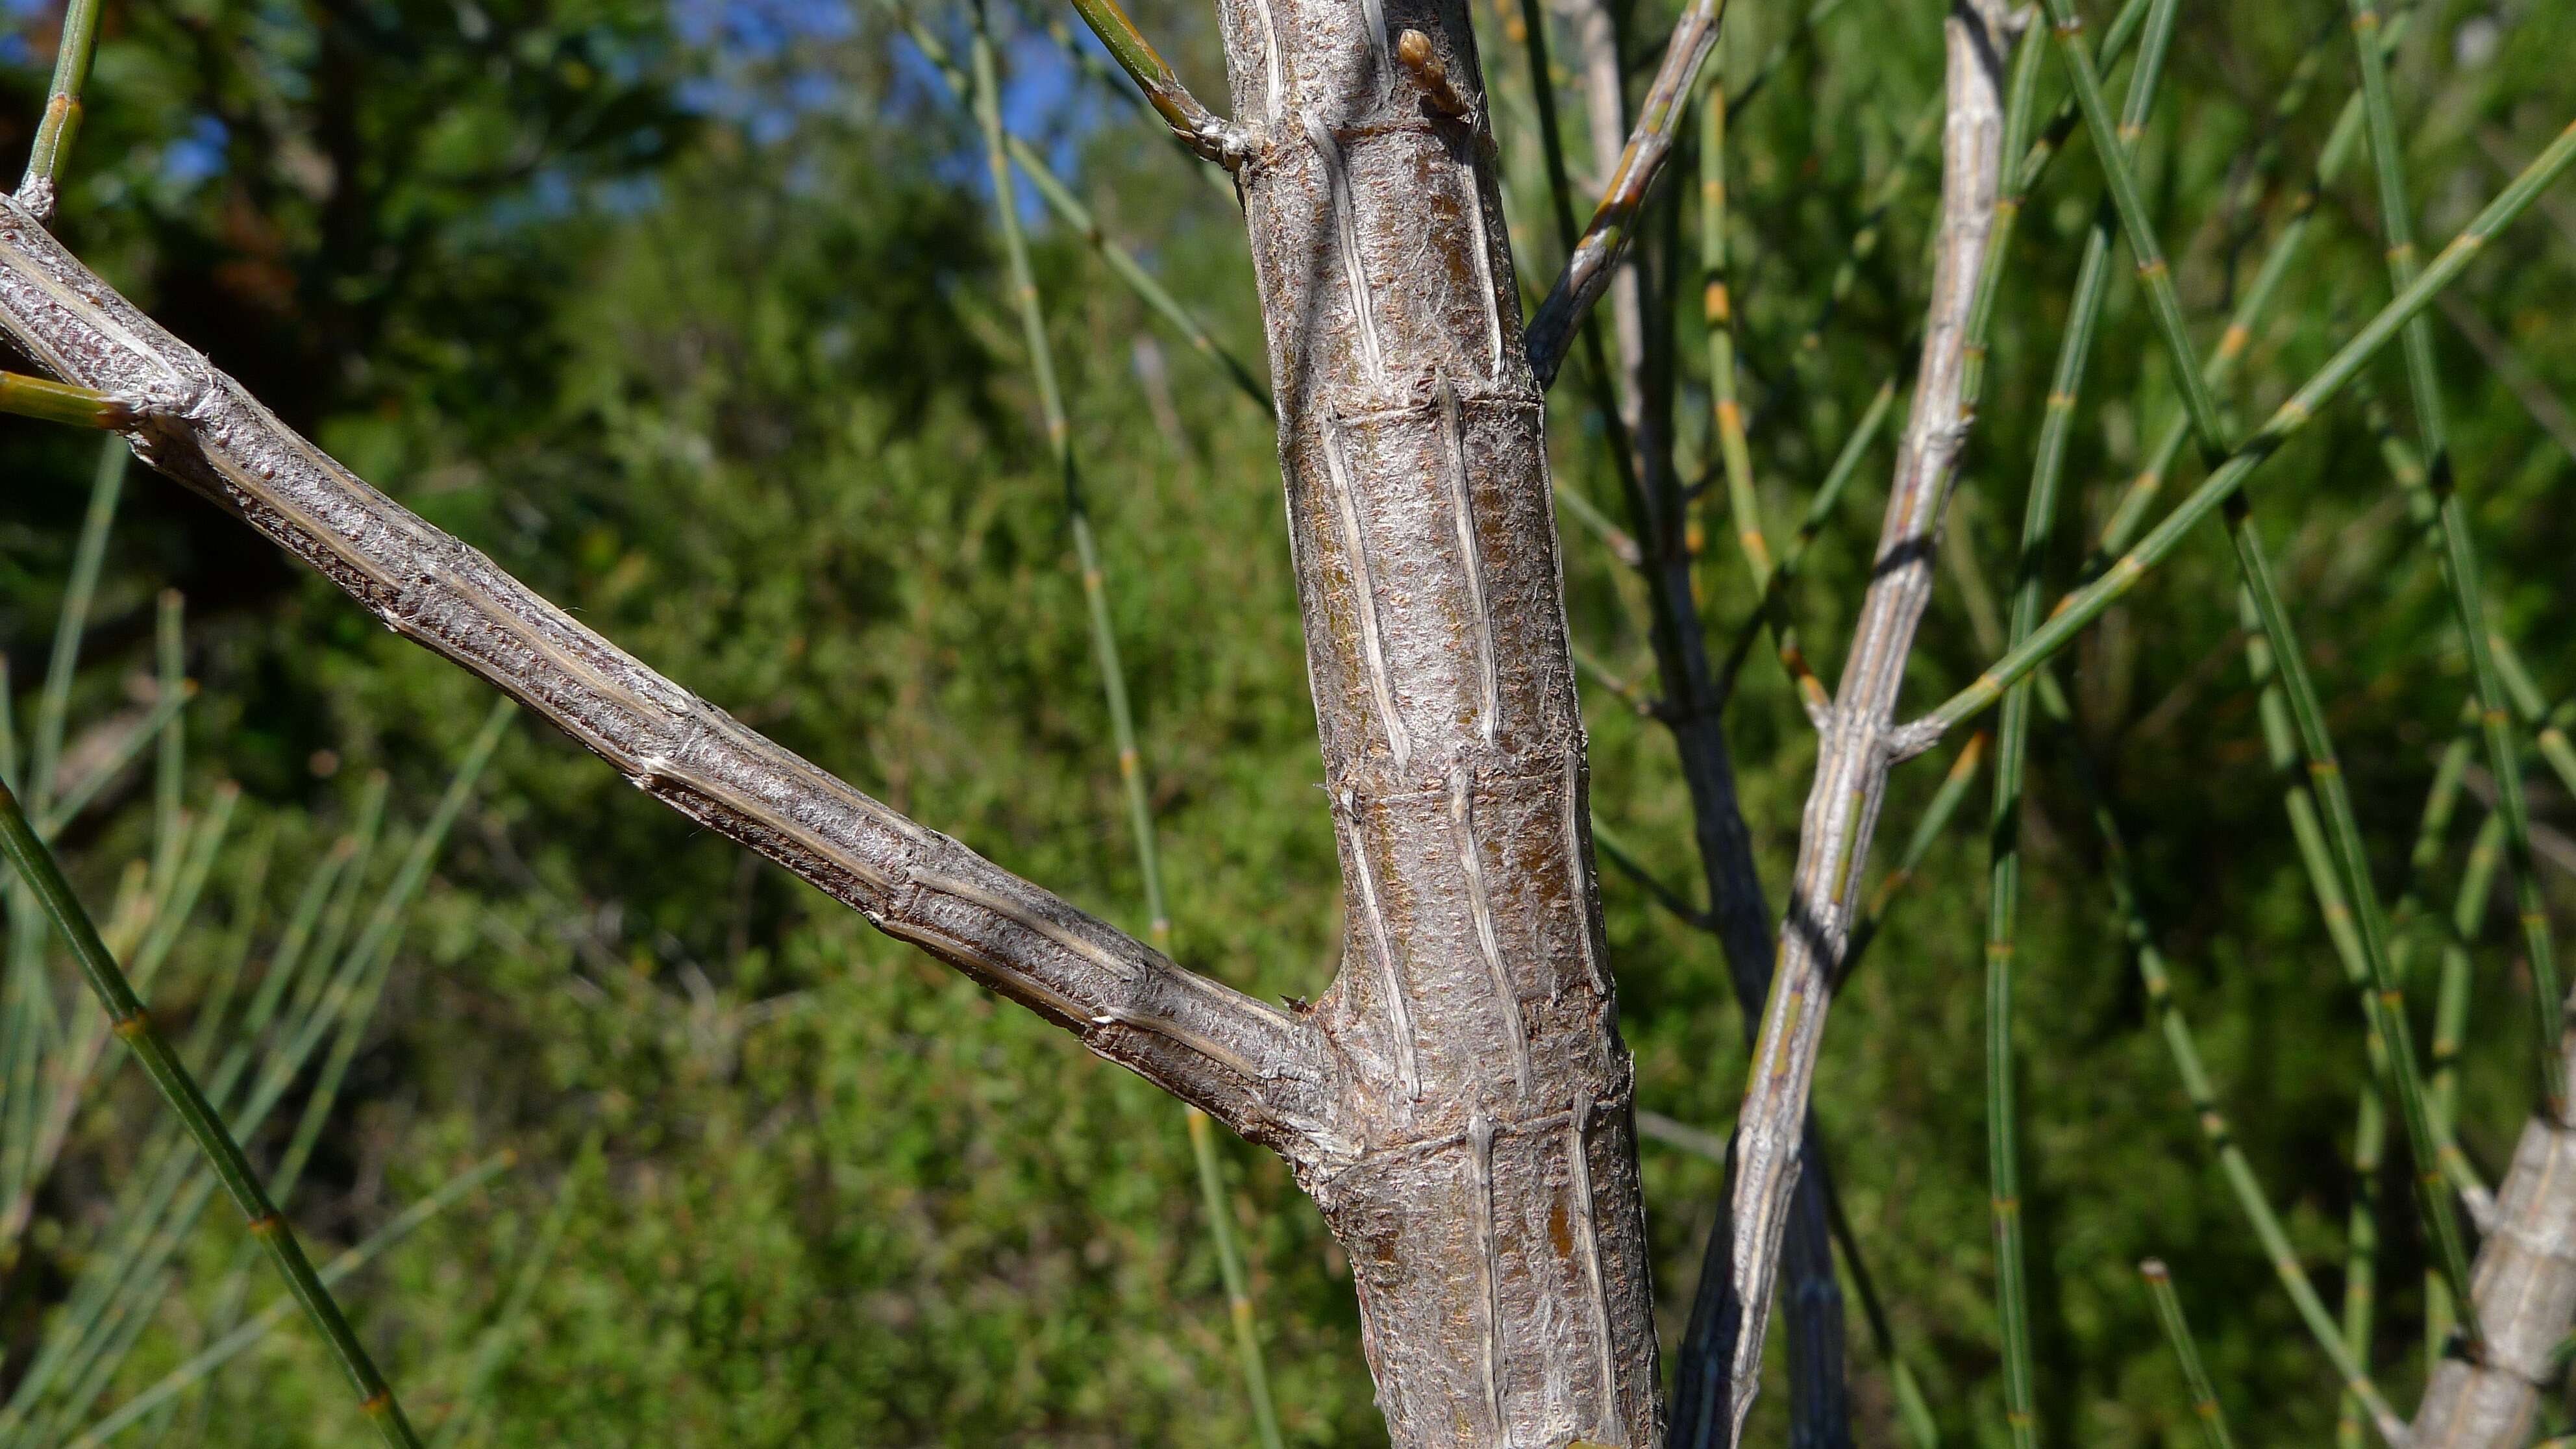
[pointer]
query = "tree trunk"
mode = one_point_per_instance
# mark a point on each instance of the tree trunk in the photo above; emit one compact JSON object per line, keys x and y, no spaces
{"x":1490,"y":1206}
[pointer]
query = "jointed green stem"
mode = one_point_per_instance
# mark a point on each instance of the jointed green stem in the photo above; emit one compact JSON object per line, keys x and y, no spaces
{"x":1927,"y":832}
{"x":2164,"y":303}
{"x":2279,"y":263}
{"x":2039,"y":524}
{"x":62,"y":105}
{"x":134,"y":1025}
{"x":2204,"y":1397}
{"x":1736,"y":455}
{"x":2550,"y":725}
{"x":2383,"y":998}
{"x":2238,"y":1170}
{"x":247,"y":1336}
{"x":1113,"y":680}
{"x":2460,"y":568}
{"x":61,"y":402}
{"x":2080,"y":608}
{"x":1069,"y":209}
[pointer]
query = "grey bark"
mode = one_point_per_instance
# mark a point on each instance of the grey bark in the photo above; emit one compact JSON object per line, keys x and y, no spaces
{"x":1861,"y":742}
{"x":2525,"y":1284}
{"x":1693,"y":708}
{"x":1458,"y":1101}
{"x":1491,"y":1208}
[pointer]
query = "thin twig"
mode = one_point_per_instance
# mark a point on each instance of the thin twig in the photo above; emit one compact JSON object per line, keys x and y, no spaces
{"x":1851,"y":775}
{"x":2080,"y":608}
{"x":1199,"y":128}
{"x":1592,"y":257}
{"x":1249,"y":1064}
{"x":2204,"y":1397}
{"x":133,"y":1024}
{"x":78,"y":42}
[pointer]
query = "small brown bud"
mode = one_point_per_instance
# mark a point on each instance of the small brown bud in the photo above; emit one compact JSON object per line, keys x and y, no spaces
{"x":1413,"y":52}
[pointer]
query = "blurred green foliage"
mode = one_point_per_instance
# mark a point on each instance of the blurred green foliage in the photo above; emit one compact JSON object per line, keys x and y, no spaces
{"x":692,"y":319}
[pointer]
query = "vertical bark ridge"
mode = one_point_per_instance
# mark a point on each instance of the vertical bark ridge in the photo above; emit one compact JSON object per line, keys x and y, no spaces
{"x":1489,"y":1198}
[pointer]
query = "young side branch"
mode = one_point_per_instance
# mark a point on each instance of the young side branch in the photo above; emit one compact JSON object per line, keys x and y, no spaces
{"x":1859,"y":745}
{"x":1244,"y":1062}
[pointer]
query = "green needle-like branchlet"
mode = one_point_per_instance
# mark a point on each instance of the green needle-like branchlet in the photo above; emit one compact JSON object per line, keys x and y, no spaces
{"x":2279,"y":264}
{"x":2079,"y":609}
{"x":250,"y":1334}
{"x":61,"y":124}
{"x":133,"y":1024}
{"x":2459,"y":557}
{"x":2383,"y":994}
{"x":61,"y":402}
{"x":2549,"y":725}
{"x":2039,"y":525}
{"x":2232,"y":1161}
{"x":2204,"y":1397}
{"x":1113,"y":680}
{"x":1070,"y":210}
{"x":2163,"y":302}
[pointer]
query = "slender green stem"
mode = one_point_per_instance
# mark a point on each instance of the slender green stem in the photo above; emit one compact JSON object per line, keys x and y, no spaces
{"x":1069,"y":209}
{"x":2460,"y":565}
{"x":61,"y":402}
{"x":54,"y":134}
{"x":1113,"y":680}
{"x":2383,"y":999}
{"x":2204,"y":1397}
{"x":1199,"y":128}
{"x":2020,"y":113}
{"x":2549,"y":725}
{"x":2082,"y":607}
{"x":2279,"y":264}
{"x":78,"y":590}
{"x":2163,"y":302}
{"x":2039,"y":525}
{"x":1736,"y":454}
{"x":2233,"y":1163}
{"x":134,"y":1026}
{"x":250,"y":1334}
{"x":1927,"y":832}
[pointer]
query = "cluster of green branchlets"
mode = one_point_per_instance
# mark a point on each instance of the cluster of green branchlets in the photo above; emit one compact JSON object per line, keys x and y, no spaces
{"x":2012,"y":730}
{"x":310,"y":990}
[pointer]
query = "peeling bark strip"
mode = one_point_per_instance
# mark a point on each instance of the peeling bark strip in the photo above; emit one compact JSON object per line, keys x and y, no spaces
{"x":1851,"y":774}
{"x":1495,"y":1232}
